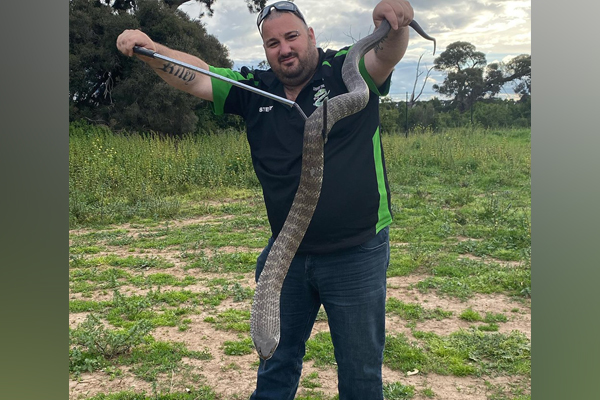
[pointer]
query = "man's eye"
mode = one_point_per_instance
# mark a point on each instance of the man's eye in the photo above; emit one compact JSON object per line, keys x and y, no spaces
{"x":272,"y":44}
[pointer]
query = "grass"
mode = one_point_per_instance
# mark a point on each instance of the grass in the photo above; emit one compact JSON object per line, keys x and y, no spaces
{"x":231,"y":320}
{"x":238,"y":347}
{"x":166,"y":232}
{"x":202,"y":393}
{"x":414,"y":312}
{"x":398,"y":391}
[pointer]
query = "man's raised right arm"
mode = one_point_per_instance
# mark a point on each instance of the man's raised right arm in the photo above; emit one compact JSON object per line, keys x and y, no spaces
{"x":181,"y":78}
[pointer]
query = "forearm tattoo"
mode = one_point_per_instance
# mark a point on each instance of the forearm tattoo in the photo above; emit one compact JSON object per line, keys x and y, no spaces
{"x":182,"y":73}
{"x":379,"y":46}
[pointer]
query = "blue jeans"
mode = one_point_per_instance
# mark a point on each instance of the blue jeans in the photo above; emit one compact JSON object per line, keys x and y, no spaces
{"x":351,"y":285}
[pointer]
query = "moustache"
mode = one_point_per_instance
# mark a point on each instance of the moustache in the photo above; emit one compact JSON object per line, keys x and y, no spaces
{"x":288,"y":55}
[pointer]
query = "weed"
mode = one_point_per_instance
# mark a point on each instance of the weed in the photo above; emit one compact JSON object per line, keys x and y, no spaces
{"x":414,"y":312}
{"x":494,"y":317}
{"x":500,"y":392}
{"x":470,"y":315}
{"x":398,"y":391}
{"x":489,"y":327}
{"x":311,"y":381}
{"x":232,"y":320}
{"x":91,"y":344}
{"x":150,"y":360}
{"x":239,"y":347}
{"x":320,"y":349}
{"x":400,"y":354}
{"x":199,"y":393}
{"x":314,"y":395}
{"x":469,"y":352}
{"x":461,"y":278}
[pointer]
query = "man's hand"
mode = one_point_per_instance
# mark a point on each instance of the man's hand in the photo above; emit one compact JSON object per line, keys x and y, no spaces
{"x":133,"y":37}
{"x":381,"y":60}
{"x":179,"y":77}
{"x":399,"y":13}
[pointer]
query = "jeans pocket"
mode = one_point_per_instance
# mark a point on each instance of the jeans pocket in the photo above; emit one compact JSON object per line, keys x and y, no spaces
{"x":380,"y":240}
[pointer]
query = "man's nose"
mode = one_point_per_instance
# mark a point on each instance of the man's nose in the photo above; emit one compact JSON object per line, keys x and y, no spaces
{"x":285,"y":48}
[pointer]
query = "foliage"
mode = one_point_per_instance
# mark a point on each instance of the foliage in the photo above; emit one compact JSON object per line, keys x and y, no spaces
{"x":468,"y":79}
{"x":239,"y":347}
{"x":114,"y":176}
{"x":201,"y":393}
{"x":123,"y":93}
{"x":414,"y":311}
{"x":398,"y":391}
{"x":437,"y":115}
{"x":108,"y":343}
{"x":320,"y":349}
{"x":464,"y":67}
{"x":91,"y":344}
{"x":519,"y":70}
{"x":461,"y":353}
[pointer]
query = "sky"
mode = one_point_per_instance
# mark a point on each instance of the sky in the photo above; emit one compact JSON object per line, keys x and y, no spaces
{"x":501,"y":29}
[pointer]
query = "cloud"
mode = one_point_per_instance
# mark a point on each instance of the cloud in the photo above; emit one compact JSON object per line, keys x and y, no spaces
{"x":499,"y":28}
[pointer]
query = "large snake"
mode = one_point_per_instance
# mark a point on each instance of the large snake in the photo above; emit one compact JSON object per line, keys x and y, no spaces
{"x":265,"y":315}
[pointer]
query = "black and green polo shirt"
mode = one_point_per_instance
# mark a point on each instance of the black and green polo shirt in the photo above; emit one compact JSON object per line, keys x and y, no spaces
{"x":355,"y":199}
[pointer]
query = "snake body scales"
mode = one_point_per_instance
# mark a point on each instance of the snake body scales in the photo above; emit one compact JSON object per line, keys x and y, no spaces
{"x":265,"y":314}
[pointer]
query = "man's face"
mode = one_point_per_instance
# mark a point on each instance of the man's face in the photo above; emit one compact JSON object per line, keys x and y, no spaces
{"x":290,"y":48}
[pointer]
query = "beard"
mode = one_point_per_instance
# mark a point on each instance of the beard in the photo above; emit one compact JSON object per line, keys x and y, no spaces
{"x":300,"y":72}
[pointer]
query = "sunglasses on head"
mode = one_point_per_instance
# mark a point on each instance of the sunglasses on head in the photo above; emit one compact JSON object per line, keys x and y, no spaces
{"x":279,"y":6}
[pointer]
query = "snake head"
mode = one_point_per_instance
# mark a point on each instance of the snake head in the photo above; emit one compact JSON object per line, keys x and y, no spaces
{"x":265,"y":347}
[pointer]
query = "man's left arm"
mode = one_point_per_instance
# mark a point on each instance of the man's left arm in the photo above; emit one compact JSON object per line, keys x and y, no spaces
{"x":380,"y":61}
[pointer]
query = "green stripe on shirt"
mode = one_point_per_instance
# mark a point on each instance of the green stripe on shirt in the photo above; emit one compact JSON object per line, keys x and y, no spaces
{"x":383,"y":213}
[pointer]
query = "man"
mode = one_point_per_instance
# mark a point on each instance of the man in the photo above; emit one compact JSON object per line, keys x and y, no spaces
{"x":342,"y":261}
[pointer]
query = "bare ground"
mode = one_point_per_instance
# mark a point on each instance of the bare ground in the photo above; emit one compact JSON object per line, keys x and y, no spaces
{"x":233,"y":377}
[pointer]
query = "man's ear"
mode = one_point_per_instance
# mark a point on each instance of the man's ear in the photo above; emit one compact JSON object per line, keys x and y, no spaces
{"x":311,"y":35}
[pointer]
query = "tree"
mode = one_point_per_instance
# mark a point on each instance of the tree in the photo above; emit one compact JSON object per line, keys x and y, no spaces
{"x":494,"y":79}
{"x":469,"y":79}
{"x":519,"y":72}
{"x":464,"y":80}
{"x":121,"y":92}
{"x":413,"y":97}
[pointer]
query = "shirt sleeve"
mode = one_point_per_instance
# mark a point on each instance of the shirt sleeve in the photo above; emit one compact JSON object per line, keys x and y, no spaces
{"x":226,"y":97}
{"x":382,"y":90}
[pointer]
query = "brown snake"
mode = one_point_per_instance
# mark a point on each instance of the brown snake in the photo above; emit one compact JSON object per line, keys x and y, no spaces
{"x":265,"y":315}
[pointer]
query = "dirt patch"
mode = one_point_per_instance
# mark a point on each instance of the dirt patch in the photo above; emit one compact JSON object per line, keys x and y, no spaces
{"x":233,"y":377}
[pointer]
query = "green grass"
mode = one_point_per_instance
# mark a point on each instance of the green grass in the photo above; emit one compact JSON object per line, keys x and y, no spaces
{"x":320,"y":349}
{"x":461,"y":278}
{"x":402,"y":354}
{"x":231,"y":320}
{"x":474,"y":352}
{"x":311,"y":381}
{"x":398,"y":391}
{"x":414,"y":312}
{"x":462,"y":222}
{"x":201,"y":393}
{"x":470,"y":315}
{"x":238,"y":347}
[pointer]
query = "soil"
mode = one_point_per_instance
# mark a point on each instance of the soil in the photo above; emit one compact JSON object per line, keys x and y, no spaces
{"x":233,"y":377}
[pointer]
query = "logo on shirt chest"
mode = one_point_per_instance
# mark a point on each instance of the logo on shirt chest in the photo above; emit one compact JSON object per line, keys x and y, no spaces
{"x":320,"y":95}
{"x":265,"y":109}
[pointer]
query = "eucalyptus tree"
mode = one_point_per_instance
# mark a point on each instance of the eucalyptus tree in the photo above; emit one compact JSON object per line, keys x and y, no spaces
{"x":464,"y":67}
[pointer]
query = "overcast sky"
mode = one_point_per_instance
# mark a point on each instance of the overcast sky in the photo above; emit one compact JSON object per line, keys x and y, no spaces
{"x":501,"y":29}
